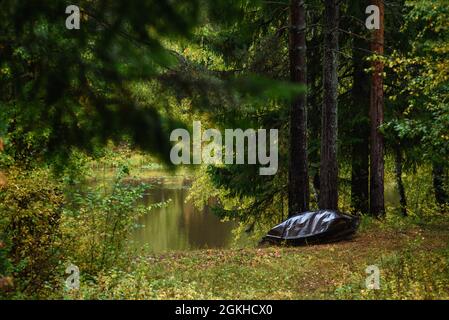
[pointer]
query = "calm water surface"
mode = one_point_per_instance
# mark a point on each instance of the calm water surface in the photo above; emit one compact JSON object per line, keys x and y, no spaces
{"x":179,"y":225}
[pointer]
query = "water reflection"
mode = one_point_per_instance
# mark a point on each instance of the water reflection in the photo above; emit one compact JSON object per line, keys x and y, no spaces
{"x":179,"y":225}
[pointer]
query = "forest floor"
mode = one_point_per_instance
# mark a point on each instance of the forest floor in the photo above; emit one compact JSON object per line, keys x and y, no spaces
{"x":413,"y":261}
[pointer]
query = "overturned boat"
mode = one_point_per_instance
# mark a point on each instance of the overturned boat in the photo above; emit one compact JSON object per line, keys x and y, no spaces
{"x":313,"y":227}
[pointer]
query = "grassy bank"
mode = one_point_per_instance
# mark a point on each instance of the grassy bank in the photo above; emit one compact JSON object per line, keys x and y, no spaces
{"x":413,"y":261}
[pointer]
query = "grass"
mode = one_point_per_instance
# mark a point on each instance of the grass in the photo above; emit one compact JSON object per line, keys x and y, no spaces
{"x":413,"y":261}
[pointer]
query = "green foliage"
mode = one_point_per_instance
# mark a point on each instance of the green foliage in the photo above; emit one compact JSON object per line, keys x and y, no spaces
{"x":255,"y":47}
{"x":45,"y":224}
{"x":98,"y":222}
{"x":63,"y":88}
{"x":422,"y":114}
{"x":30,"y":212}
{"x":78,"y":100}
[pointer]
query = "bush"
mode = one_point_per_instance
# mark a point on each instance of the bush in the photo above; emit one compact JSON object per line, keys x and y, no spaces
{"x":98,"y":222}
{"x":30,"y":211}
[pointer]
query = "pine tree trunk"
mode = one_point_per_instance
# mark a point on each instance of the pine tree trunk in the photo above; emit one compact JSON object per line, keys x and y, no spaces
{"x":398,"y":172}
{"x":441,"y":193}
{"x":298,"y":200}
{"x":2,"y":175}
{"x":360,"y":123}
{"x":377,"y":206}
{"x":329,"y":167}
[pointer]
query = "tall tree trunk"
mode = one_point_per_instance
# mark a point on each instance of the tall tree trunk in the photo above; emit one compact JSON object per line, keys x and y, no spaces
{"x":329,"y":166}
{"x":398,"y":173}
{"x":298,"y":200}
{"x":314,"y":104}
{"x":377,"y":206}
{"x":2,"y":175}
{"x":441,"y":193}
{"x":360,"y":122}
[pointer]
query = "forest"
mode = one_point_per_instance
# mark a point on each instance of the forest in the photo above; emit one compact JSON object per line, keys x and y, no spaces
{"x":120,"y":178}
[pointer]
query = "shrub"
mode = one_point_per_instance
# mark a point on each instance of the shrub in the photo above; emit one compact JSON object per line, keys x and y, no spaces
{"x":98,"y":221}
{"x":30,"y":211}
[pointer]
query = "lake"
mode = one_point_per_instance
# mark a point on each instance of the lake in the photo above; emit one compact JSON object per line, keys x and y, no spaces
{"x":179,"y":225}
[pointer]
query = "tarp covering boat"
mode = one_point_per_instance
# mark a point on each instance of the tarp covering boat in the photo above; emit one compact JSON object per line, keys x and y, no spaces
{"x":313,"y":227}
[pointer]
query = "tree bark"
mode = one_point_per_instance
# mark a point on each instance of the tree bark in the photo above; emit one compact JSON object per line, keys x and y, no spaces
{"x":441,"y":193}
{"x":377,"y":205}
{"x":329,"y":126}
{"x":360,"y":122}
{"x":399,"y":182}
{"x":298,"y":200}
{"x":2,"y":175}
